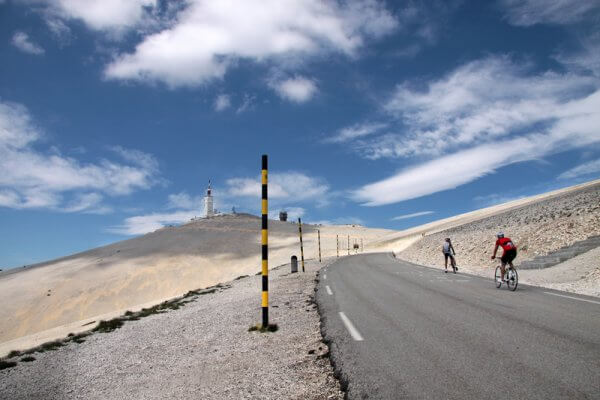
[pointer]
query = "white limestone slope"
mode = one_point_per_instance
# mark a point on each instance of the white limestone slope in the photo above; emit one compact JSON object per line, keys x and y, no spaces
{"x":48,"y":300}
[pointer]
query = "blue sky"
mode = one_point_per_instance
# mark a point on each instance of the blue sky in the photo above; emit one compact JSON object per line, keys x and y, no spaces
{"x":114,"y":114}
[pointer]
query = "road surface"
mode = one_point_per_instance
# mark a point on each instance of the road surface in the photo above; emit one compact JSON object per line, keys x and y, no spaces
{"x":398,"y":330}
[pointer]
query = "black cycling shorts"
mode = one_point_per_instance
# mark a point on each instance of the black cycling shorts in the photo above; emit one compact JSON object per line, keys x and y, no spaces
{"x":509,"y":256}
{"x":446,"y":255}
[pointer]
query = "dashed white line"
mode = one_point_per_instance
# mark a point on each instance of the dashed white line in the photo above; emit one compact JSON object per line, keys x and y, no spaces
{"x":574,"y":298}
{"x":329,"y":292}
{"x":325,"y":276}
{"x":353,"y":331}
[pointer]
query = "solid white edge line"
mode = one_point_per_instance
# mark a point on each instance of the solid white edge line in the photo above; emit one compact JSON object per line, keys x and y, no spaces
{"x":329,"y":292}
{"x":353,"y":331}
{"x":574,"y":298}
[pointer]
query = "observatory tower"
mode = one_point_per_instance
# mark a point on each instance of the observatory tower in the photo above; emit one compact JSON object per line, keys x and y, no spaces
{"x":208,"y":203}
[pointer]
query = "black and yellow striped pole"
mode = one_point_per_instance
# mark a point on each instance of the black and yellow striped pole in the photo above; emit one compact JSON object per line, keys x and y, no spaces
{"x":348,"y":244}
{"x":319,"y":235}
{"x":301,"y":245}
{"x":337,"y":245}
{"x":265,"y":245}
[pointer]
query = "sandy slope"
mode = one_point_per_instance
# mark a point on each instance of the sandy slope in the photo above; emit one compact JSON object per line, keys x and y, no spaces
{"x":49,"y":300}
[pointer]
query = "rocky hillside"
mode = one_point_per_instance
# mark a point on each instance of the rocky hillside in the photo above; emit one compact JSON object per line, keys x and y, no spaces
{"x":537,"y":229}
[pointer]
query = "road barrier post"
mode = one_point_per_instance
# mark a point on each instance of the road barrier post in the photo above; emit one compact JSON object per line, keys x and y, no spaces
{"x":319,"y":235}
{"x":265,"y":245}
{"x":337,"y":245}
{"x":301,"y":245}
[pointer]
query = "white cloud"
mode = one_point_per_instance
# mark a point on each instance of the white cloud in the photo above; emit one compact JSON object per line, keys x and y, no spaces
{"x":479,"y":102}
{"x":222,"y":102}
{"x":32,"y":178}
{"x":184,"y":201}
{"x":561,"y":12}
{"x":298,"y":89}
{"x":104,"y":15}
{"x":413,"y":215}
{"x":141,"y":224}
{"x":356,"y":131}
{"x":577,"y":125}
{"x":588,"y":168}
{"x":22,"y":42}
{"x":207,"y":37}
{"x":287,"y":186}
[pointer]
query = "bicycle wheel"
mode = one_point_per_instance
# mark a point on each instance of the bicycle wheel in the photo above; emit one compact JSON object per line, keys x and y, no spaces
{"x":497,"y":277}
{"x":513,"y":279}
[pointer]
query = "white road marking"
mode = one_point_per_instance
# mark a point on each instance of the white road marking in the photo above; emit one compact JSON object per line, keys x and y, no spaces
{"x":353,"y":331}
{"x":329,"y":292}
{"x":574,"y":298}
{"x":325,"y":276}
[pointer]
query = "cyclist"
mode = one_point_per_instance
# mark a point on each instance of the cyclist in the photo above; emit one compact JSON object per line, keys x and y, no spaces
{"x":447,"y":249}
{"x":509,"y":252}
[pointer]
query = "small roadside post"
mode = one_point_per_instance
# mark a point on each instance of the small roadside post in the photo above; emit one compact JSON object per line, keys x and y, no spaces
{"x":301,"y":245}
{"x":319,"y":236}
{"x":348,"y":244}
{"x":337,"y":245}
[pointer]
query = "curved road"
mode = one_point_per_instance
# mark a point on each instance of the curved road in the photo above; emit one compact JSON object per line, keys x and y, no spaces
{"x":398,"y":330}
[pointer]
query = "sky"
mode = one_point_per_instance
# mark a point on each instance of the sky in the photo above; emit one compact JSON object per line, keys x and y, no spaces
{"x":115,"y":114}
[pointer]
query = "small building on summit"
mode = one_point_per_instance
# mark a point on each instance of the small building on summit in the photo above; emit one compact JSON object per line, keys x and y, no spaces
{"x":283,"y":216}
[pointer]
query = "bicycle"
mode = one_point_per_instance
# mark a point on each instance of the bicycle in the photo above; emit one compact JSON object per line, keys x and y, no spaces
{"x":511,"y":278}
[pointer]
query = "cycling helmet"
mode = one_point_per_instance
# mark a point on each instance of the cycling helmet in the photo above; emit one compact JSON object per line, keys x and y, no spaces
{"x":500,"y":235}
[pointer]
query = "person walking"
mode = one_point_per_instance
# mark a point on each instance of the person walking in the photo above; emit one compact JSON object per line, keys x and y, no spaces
{"x":449,"y":253}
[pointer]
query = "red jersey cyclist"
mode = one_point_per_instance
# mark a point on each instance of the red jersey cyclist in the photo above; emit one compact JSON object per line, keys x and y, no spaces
{"x":509,"y":254}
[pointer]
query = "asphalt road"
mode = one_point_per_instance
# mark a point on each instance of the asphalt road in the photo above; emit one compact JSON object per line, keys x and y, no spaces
{"x":398,"y":330}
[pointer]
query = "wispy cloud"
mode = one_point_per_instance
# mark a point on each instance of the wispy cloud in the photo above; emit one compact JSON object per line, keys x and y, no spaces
{"x":33,"y":178}
{"x":588,"y":168}
{"x":560,"y":12}
{"x":356,"y":131}
{"x":413,"y":215}
{"x":22,"y":42}
{"x":479,"y":102}
{"x":247,"y":103}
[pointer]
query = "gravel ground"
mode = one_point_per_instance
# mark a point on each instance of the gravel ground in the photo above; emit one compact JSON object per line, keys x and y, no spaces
{"x":202,"y":350}
{"x":580,"y":274}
